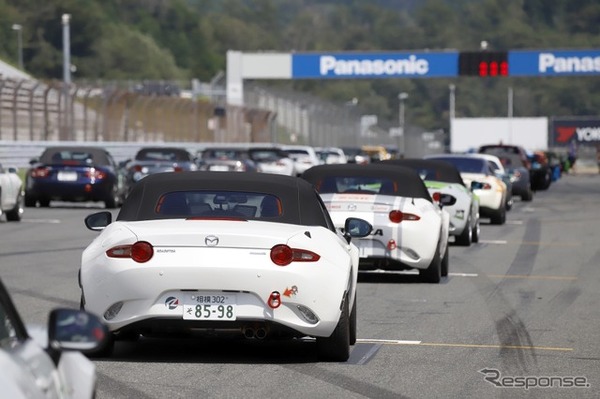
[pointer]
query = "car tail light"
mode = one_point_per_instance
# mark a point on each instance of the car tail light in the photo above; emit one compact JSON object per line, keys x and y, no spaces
{"x":436,"y":196}
{"x":137,"y":168}
{"x":40,"y":172}
{"x":487,"y":186}
{"x":96,"y":174}
{"x":398,"y":216}
{"x":177,"y":169}
{"x":283,"y":255}
{"x":140,"y":252}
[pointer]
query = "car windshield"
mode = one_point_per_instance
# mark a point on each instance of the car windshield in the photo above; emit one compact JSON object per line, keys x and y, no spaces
{"x":217,"y":204}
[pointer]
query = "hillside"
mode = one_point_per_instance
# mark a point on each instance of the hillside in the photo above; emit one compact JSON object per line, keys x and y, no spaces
{"x":184,"y":39}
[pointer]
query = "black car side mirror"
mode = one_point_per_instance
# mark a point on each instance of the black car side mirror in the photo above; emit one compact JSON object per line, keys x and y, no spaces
{"x":355,"y":227}
{"x":98,"y":221}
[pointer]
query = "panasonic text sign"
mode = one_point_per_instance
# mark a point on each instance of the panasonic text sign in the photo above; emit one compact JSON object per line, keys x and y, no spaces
{"x":554,"y":63}
{"x":374,"y":65}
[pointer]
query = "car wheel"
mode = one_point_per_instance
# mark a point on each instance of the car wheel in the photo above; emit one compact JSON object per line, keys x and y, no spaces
{"x":112,"y":201}
{"x":336,"y":347}
{"x":509,"y":204}
{"x":476,"y":232}
{"x":499,"y":217}
{"x":433,"y":274}
{"x":446,"y":262}
{"x":528,"y":196}
{"x":15,"y":214}
{"x":353,"y":323}
{"x":466,"y":237}
{"x":30,"y":201}
{"x":44,"y":202}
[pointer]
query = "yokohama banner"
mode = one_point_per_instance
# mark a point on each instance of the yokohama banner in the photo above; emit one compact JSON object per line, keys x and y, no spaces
{"x":582,"y":130}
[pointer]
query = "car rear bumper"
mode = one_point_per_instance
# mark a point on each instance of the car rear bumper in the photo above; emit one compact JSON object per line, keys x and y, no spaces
{"x":161,"y":288}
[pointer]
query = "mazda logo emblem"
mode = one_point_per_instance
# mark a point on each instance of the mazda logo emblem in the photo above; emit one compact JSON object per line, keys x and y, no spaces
{"x":211,"y":241}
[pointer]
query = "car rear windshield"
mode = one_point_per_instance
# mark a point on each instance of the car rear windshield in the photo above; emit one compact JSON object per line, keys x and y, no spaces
{"x":219,"y":204}
{"x":357,"y":185}
{"x":162,"y":155}
{"x":70,"y":157}
{"x":467,"y":165}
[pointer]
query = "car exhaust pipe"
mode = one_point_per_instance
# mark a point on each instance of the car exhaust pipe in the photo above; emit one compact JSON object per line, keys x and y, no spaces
{"x":260,"y":333}
{"x":248,"y":332}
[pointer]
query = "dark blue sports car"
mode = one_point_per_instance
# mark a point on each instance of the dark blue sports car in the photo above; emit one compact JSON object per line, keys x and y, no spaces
{"x":74,"y":174}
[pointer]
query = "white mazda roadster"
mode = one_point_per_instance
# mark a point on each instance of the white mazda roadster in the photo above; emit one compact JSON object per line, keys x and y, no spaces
{"x":410,"y":230}
{"x":255,"y":255}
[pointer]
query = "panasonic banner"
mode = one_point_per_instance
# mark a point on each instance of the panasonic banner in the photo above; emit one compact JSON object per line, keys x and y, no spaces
{"x":374,"y":65}
{"x":554,"y":62}
{"x":584,"y":131}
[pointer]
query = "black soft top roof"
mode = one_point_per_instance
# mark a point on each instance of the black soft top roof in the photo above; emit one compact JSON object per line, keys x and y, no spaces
{"x":299,"y":199}
{"x":436,"y":170}
{"x":99,"y":155}
{"x":409,"y":183}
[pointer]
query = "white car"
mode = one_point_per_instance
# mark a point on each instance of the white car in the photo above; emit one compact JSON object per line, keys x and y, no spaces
{"x":46,"y":363}
{"x":304,"y":157}
{"x":443,"y":178}
{"x":410,"y":231}
{"x":331,"y":155}
{"x":490,"y":189}
{"x":501,"y":173}
{"x":273,"y":160}
{"x":11,"y":194}
{"x":254,"y":255}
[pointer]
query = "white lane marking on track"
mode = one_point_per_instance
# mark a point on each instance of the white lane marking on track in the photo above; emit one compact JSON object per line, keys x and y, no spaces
{"x":501,"y":242}
{"x":464,"y":274}
{"x":387,"y":341}
{"x":517,"y":222}
{"x":55,"y":221}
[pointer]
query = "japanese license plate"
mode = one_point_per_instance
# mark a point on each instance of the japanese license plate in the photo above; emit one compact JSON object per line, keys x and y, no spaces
{"x":66,"y":176}
{"x":219,"y":168}
{"x":210,"y":306}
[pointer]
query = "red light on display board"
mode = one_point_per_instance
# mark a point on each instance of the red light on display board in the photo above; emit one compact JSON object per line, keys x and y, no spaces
{"x":483,"y":63}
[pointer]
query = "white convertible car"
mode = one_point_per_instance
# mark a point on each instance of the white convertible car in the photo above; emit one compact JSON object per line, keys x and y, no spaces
{"x":255,"y":255}
{"x":11,"y":194}
{"x":410,"y":230}
{"x":478,"y":174}
{"x":443,"y":178}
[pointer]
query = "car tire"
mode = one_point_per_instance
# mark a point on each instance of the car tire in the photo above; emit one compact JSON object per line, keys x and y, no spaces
{"x":44,"y":202}
{"x":353,"y":323}
{"x":499,"y":216}
{"x":30,"y":201}
{"x":466,"y":237}
{"x":446,"y":262}
{"x":433,"y":274}
{"x":476,"y":232}
{"x":528,"y":196}
{"x":16,"y":213}
{"x":336,"y":347}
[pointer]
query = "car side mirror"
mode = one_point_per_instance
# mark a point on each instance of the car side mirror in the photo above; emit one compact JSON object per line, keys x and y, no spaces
{"x":33,"y":161}
{"x":73,"y":329}
{"x":355,"y":227}
{"x":98,"y":221}
{"x":447,"y":200}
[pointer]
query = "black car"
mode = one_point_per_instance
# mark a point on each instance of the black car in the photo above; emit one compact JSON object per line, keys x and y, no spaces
{"x":74,"y":174}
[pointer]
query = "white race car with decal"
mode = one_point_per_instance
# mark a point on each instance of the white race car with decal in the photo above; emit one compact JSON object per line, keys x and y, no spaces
{"x":255,"y":255}
{"x":443,"y":178}
{"x":11,"y":194}
{"x":479,"y":175}
{"x":410,"y":230}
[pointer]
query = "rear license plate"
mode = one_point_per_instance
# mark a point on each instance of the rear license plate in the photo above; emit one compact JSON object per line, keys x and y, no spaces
{"x":219,"y":168}
{"x":67,"y":176}
{"x":210,"y":306}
